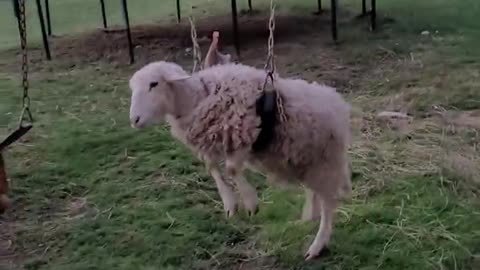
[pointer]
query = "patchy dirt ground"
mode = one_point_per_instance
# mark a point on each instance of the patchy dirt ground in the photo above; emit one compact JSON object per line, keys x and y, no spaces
{"x":154,"y":41}
{"x":9,"y":255}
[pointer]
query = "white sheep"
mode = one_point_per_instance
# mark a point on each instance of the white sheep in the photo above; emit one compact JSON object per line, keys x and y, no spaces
{"x":213,"y":112}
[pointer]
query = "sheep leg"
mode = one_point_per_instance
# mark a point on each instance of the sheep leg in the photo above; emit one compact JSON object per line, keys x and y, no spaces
{"x":247,"y":191}
{"x":226,"y":193}
{"x":312,"y":207}
{"x":324,"y":232}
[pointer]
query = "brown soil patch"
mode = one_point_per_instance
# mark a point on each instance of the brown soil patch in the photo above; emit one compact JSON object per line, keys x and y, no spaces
{"x":158,"y":40}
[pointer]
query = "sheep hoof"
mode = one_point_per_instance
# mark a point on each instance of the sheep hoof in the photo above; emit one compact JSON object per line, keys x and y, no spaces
{"x":230,"y":209}
{"x":252,"y":212}
{"x":251,"y":205}
{"x":315,"y":252}
{"x":229,"y":213}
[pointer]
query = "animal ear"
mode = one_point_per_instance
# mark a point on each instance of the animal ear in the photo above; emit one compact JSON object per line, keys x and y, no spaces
{"x":175,"y":77}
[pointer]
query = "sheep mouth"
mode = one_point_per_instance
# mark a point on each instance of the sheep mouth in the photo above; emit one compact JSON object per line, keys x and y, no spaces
{"x":138,"y":125}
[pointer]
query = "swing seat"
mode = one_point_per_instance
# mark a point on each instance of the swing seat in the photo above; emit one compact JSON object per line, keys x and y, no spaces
{"x":13,"y":137}
{"x":24,"y":126}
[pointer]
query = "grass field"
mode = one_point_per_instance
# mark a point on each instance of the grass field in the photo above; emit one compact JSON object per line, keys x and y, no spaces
{"x":89,"y":192}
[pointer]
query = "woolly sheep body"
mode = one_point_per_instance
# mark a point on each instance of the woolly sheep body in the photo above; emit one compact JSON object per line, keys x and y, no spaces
{"x":214,"y":113}
{"x":226,"y":122}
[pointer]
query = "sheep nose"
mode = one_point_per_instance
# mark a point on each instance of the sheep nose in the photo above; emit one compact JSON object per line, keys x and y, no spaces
{"x":134,"y":121}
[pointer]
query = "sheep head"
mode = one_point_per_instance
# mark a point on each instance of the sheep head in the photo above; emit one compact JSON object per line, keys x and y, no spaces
{"x":152,"y":93}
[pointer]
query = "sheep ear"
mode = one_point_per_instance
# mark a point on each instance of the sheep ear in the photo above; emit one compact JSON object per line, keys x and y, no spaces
{"x":175,"y":78}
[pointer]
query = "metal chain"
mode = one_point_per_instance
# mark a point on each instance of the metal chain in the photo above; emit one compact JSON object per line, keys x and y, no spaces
{"x":23,"y":43}
{"x":197,"y":54}
{"x":270,"y":63}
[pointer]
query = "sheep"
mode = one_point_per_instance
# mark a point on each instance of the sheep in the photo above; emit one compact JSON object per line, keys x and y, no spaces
{"x":213,"y":112}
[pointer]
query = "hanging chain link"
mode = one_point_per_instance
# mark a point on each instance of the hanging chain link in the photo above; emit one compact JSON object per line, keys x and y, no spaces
{"x":270,"y":63}
{"x":197,"y":54}
{"x":23,"y":43}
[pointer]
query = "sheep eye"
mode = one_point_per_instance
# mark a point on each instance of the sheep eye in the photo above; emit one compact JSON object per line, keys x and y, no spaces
{"x":153,"y":85}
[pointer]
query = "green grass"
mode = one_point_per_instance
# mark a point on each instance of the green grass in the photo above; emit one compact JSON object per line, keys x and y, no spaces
{"x":91,"y":193}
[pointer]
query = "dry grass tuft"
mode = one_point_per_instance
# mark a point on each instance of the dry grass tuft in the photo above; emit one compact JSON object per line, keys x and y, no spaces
{"x":460,"y":166}
{"x":383,"y":150}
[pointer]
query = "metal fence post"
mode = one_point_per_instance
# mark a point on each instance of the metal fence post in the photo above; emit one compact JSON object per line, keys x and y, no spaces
{"x":44,"y":32}
{"x":129,"y":34}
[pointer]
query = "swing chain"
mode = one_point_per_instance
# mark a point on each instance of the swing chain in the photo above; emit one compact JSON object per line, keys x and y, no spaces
{"x":25,"y":85}
{"x":197,"y":54}
{"x":270,"y":63}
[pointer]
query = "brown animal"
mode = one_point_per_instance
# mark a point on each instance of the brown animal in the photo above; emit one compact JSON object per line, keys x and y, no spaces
{"x":214,"y":57}
{"x":4,"y":201}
